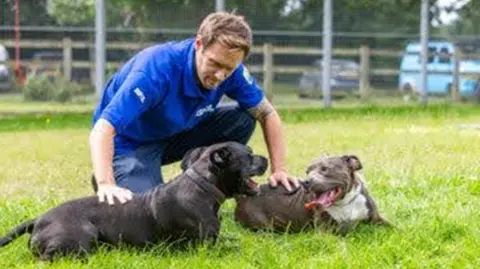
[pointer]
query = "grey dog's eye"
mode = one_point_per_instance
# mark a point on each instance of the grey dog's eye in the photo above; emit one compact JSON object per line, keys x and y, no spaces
{"x":323,"y":168}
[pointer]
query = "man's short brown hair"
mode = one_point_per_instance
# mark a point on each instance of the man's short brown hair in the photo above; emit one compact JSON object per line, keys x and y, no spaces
{"x":228,"y":29}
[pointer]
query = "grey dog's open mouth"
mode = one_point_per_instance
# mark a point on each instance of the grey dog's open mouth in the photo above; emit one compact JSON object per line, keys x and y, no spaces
{"x":325,"y":199}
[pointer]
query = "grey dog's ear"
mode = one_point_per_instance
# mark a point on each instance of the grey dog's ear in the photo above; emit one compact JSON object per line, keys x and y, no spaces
{"x":220,"y":156}
{"x":190,"y":157}
{"x":353,"y":162}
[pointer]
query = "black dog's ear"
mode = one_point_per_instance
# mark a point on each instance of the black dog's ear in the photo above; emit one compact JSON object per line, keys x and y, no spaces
{"x":353,"y":162}
{"x":190,"y":157}
{"x":220,"y":156}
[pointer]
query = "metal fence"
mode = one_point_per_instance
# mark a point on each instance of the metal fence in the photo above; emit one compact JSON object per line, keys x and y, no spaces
{"x":271,"y":63}
{"x":281,"y":57}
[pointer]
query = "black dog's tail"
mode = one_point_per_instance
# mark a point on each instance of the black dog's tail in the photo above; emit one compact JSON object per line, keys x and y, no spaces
{"x":25,"y":227}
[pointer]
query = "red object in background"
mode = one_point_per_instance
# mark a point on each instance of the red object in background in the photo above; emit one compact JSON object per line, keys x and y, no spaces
{"x":18,"y":68}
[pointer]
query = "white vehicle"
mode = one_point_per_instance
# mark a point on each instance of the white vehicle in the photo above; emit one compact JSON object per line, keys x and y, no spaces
{"x":6,"y":74}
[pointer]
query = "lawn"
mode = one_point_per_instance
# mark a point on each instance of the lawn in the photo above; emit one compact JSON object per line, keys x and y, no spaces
{"x":422,"y":169}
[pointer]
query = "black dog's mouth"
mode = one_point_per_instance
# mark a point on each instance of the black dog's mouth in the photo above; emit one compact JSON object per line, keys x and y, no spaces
{"x":252,"y":187}
{"x":325,"y":199}
{"x":259,"y":167}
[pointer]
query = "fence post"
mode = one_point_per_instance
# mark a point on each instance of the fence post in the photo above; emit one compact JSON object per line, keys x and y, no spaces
{"x":456,"y":75}
{"x":364,"y":71}
{"x":91,"y":55}
{"x":268,"y":70}
{"x":67,"y":58}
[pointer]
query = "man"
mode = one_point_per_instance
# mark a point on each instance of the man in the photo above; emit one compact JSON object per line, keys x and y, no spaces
{"x":163,"y":102}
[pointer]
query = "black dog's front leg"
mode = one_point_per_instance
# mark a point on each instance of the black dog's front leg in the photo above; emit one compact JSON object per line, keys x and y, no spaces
{"x":208,"y":230}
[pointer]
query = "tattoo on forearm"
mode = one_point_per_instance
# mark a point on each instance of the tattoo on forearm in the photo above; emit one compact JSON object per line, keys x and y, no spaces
{"x":262,"y":110}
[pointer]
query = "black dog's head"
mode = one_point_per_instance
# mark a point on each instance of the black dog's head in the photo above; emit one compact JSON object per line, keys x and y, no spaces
{"x":232,"y":163}
{"x":330,"y":178}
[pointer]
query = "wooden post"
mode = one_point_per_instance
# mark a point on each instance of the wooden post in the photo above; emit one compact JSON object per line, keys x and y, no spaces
{"x":456,"y":75}
{"x":67,"y":58}
{"x":364,"y":72}
{"x":268,"y":70}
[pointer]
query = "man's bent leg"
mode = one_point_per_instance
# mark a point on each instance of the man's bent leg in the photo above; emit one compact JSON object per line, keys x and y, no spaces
{"x":230,"y":123}
{"x":139,"y":171}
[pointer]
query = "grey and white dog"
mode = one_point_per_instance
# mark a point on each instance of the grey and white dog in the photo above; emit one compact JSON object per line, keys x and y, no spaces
{"x":333,"y":194}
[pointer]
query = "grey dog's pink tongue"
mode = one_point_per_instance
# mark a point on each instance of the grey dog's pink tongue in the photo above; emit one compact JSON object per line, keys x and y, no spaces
{"x":326,"y":199}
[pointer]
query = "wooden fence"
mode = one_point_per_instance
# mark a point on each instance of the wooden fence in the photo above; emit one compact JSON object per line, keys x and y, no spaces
{"x":268,"y":68}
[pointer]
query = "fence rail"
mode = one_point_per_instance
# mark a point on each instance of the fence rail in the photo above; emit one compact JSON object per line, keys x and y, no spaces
{"x":268,"y":68}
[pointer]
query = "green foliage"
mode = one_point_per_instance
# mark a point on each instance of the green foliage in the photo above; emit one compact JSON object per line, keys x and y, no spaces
{"x":399,"y":16}
{"x":45,"y":88}
{"x":469,"y":22}
{"x":72,"y":12}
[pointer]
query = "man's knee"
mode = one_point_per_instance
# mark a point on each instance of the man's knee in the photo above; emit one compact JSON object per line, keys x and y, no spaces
{"x":247,"y":124}
{"x":137,"y":173}
{"x":242,"y":126}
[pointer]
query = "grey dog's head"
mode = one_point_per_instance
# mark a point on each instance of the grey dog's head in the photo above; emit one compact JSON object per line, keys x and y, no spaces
{"x":330,"y":178}
{"x":232,"y":163}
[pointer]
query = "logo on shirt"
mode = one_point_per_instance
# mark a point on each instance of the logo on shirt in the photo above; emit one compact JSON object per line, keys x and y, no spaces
{"x":247,"y":76}
{"x":204,"y":110}
{"x":139,"y":94}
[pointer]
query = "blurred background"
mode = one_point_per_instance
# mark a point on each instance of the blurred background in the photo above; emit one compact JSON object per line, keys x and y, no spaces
{"x":375,"y":56}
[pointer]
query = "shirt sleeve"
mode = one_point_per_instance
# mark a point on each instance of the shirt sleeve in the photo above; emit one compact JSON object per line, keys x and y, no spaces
{"x":136,"y":95}
{"x":244,"y":88}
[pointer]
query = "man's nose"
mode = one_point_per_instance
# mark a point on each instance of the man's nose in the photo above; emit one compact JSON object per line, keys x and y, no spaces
{"x":220,"y":74}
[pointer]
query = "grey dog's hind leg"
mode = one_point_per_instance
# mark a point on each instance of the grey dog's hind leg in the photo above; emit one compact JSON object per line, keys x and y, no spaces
{"x":25,"y":227}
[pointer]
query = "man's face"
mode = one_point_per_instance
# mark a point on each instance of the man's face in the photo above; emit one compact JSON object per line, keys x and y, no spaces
{"x":215,"y":63}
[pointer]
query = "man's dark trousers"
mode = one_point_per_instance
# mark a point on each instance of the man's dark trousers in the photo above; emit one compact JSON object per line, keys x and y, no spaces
{"x":140,"y":170}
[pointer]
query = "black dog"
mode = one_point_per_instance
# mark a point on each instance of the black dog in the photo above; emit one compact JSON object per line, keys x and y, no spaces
{"x":185,"y":208}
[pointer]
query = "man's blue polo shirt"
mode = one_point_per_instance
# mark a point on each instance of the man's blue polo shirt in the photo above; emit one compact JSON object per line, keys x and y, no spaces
{"x":156,"y":95}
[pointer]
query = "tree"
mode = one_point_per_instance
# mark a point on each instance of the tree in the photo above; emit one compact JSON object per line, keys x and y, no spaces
{"x":82,"y":12}
{"x":469,"y":22}
{"x":31,"y":13}
{"x":72,"y":12}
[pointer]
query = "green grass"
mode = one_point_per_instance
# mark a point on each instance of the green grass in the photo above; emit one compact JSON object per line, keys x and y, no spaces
{"x":423,"y":171}
{"x":285,"y":96}
{"x":14,"y":104}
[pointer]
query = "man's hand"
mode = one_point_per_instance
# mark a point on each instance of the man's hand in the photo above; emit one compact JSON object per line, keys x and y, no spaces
{"x":285,"y":179}
{"x":111,"y":191}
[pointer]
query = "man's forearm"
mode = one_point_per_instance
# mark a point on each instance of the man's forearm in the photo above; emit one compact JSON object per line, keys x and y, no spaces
{"x":101,"y":150}
{"x":273,"y":134}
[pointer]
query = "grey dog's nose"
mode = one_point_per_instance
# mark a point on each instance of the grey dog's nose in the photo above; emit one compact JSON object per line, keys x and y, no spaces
{"x":307,"y":183}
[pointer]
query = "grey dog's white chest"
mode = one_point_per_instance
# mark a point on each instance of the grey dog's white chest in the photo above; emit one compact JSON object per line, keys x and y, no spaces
{"x":352,"y":208}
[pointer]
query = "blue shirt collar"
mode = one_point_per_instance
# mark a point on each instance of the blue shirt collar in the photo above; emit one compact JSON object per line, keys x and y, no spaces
{"x":192,"y":87}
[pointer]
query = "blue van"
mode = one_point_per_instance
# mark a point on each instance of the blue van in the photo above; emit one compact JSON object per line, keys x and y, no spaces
{"x":440,"y":68}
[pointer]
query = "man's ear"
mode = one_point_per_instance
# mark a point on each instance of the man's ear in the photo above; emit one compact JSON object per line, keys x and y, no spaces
{"x":190,"y":157}
{"x":198,"y":42}
{"x":220,"y":157}
{"x":353,"y":162}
